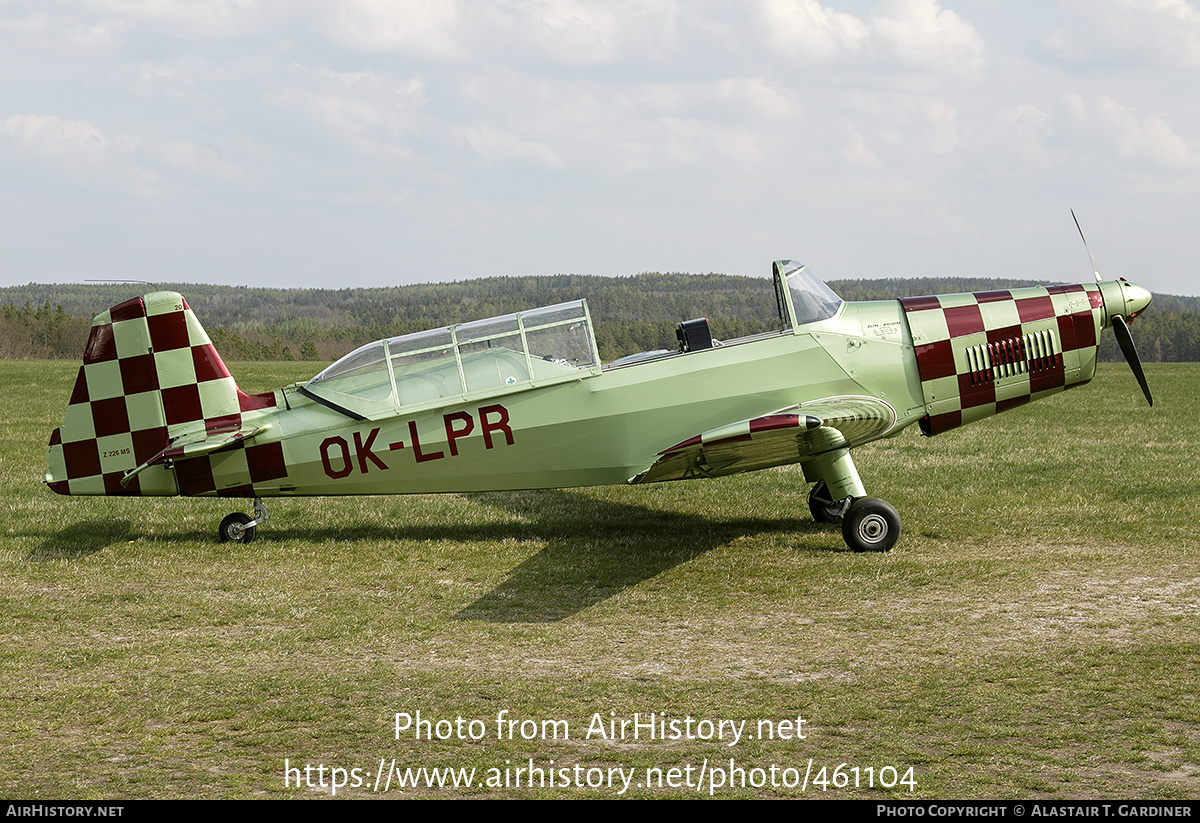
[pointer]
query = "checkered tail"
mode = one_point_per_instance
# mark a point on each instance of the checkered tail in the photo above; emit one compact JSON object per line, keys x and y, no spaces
{"x":151,"y":384}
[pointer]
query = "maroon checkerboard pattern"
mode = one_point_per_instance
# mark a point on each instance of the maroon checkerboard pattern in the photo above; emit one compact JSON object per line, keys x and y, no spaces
{"x":983,"y":353}
{"x":152,"y":384}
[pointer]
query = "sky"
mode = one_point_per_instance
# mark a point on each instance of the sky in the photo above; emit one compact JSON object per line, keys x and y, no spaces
{"x":302,"y":143}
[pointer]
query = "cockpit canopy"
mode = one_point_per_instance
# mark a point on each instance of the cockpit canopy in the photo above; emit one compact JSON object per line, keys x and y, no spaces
{"x":802,"y":296}
{"x":468,"y":360}
{"x":513,"y":352}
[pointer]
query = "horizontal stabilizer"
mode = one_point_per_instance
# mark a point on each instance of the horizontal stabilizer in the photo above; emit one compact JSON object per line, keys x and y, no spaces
{"x":183,"y":451}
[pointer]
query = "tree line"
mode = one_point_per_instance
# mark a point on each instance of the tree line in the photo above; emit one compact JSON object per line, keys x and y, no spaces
{"x":631,"y":314}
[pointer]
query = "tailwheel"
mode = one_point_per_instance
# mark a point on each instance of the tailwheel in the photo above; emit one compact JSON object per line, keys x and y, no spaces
{"x":823,"y":508}
{"x":871,"y":525}
{"x":237,"y":528}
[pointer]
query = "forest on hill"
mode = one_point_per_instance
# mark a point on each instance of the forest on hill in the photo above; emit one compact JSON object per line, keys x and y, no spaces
{"x":631,"y":314}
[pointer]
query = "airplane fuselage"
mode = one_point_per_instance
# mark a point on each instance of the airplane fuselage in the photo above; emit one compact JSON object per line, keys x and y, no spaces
{"x":598,"y":430}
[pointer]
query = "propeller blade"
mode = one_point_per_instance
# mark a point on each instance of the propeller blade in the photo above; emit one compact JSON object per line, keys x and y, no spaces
{"x":1125,"y":340}
{"x":1095,"y":268}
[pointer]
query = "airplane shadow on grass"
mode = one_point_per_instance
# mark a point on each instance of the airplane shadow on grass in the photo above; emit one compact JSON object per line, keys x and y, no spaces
{"x":598,"y":548}
{"x":81,"y":539}
{"x":593,"y":548}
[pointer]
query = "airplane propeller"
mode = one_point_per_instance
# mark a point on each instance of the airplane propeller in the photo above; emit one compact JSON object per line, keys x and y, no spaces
{"x":1119,"y":325}
{"x":1125,"y":341}
{"x":1095,"y":268}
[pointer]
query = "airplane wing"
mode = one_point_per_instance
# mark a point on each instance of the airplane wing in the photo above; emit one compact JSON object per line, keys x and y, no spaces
{"x":790,"y":435}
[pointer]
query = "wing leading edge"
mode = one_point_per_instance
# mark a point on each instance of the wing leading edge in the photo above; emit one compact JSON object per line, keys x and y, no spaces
{"x":791,"y":435}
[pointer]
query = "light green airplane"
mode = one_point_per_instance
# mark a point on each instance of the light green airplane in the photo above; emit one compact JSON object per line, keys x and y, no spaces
{"x":523,"y":402}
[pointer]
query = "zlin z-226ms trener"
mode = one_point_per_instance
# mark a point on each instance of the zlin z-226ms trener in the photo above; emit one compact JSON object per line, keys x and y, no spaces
{"x":523,"y":402}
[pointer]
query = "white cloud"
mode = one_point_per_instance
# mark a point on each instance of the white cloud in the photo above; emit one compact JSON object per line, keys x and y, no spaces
{"x":69,"y":32}
{"x":83,"y":154}
{"x":185,"y":18}
{"x":607,"y":129}
{"x":368,"y":112}
{"x":917,"y":34}
{"x":807,"y":32}
{"x":1138,"y":143}
{"x":345,"y":114}
{"x":1015,"y":141}
{"x":943,"y":120}
{"x":923,"y":35}
{"x":857,"y":155}
{"x":422,"y":27}
{"x":908,"y":127}
{"x":376,"y":114}
{"x":174,"y":154}
{"x":575,"y":32}
{"x":1108,"y":32}
{"x":759,"y":95}
{"x":73,"y":142}
{"x":501,"y":146}
{"x":741,"y":146}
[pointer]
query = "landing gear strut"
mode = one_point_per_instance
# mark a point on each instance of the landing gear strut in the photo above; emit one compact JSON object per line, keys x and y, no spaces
{"x":823,"y":507}
{"x":868,"y":524}
{"x":239,"y":528}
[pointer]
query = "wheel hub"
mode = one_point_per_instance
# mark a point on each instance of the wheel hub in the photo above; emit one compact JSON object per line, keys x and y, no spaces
{"x":873,"y":528}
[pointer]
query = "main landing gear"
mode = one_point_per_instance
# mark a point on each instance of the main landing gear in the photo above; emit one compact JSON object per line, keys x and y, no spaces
{"x":871,"y":525}
{"x":868,"y":523}
{"x":239,"y":528}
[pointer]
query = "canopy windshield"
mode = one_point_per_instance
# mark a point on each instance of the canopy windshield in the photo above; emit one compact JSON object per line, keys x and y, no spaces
{"x":469,"y":360}
{"x":803,"y":297}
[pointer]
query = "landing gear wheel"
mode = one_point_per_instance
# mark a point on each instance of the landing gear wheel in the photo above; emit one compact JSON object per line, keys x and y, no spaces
{"x":871,"y":525}
{"x":823,"y":509}
{"x":234,"y":528}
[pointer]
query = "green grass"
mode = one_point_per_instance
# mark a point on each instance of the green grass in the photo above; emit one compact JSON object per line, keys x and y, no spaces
{"x":1033,"y":635}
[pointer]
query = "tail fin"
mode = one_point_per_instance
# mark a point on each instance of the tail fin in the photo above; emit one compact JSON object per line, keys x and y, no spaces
{"x":150,"y":380}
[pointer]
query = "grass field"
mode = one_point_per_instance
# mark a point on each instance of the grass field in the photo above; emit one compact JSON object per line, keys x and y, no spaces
{"x":1035,"y":633}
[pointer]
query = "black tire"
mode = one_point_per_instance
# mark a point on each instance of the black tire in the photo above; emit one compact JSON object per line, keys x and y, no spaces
{"x":871,"y":525}
{"x":822,"y":508}
{"x":234,"y":528}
